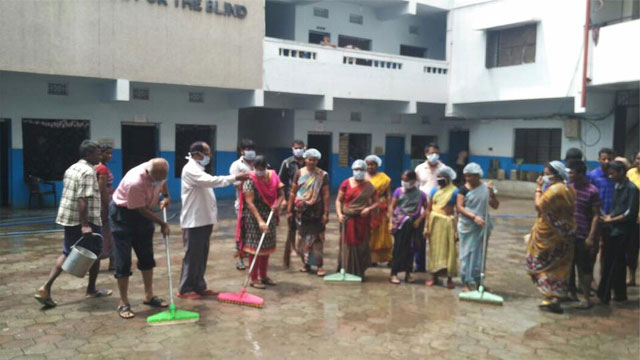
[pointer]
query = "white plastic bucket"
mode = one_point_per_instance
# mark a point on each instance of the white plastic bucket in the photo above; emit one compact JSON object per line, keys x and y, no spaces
{"x":79,"y":260}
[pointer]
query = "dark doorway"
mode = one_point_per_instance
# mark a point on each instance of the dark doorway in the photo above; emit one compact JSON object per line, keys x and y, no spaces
{"x":626,"y":130}
{"x":394,"y":159}
{"x":458,"y":142}
{"x":360,"y":43}
{"x":322,"y":142}
{"x":5,"y":146}
{"x":413,"y":51}
{"x":139,"y":144}
{"x":187,"y":135}
{"x":315,"y":37}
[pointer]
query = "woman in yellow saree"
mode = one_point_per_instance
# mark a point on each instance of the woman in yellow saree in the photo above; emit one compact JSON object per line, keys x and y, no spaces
{"x":550,"y":247}
{"x":381,"y":243}
{"x":440,"y":229}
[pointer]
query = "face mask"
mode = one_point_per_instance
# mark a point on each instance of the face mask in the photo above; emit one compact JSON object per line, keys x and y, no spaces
{"x":433,"y":158}
{"x":359,"y":174}
{"x":249,"y":155}
{"x":205,"y":161}
{"x":407,"y":185}
{"x":547,"y":179}
{"x":442,"y":182}
{"x":159,"y":182}
{"x":298,"y":152}
{"x":261,"y":173}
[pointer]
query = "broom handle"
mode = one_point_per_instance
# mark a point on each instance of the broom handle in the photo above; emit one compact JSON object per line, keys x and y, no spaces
{"x":255,"y":258}
{"x":166,"y":243}
{"x":342,"y":243}
{"x":484,"y":240}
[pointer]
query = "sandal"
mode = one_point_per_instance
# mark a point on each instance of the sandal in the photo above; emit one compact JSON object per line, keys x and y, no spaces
{"x":268,"y":281}
{"x":394,"y":280}
{"x":240,"y":266}
{"x":125,"y":312}
{"x":552,"y":307}
{"x":99,"y":293}
{"x":257,"y":285}
{"x":408,"y":278}
{"x":47,"y":302}
{"x":450,"y":285}
{"x":431,"y":282}
{"x":305,"y":268}
{"x":190,"y":296}
{"x":156,"y":302}
{"x":584,"y":305}
{"x":210,"y":292}
{"x":321,"y":272}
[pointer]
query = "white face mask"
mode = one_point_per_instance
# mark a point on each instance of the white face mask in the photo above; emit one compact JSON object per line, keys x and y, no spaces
{"x":359,"y":174}
{"x":298,"y":152}
{"x":407,"y":185}
{"x":433,"y":158}
{"x":205,"y":161}
{"x":159,"y":182}
{"x":547,"y":179}
{"x":261,"y":173}
{"x":249,"y":155}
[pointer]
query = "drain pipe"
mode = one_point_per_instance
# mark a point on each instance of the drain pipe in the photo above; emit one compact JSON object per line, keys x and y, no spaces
{"x":587,"y":24}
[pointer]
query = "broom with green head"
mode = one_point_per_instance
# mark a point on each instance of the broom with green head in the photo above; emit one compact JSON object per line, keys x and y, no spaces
{"x":172,"y":316}
{"x":481,"y":295}
{"x":343,"y":276}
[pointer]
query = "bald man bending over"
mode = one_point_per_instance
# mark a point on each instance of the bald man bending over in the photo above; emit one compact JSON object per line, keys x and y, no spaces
{"x":132,"y":224}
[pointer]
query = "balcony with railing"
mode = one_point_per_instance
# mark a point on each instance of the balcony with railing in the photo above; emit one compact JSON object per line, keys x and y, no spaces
{"x":311,"y":69}
{"x":614,"y":54}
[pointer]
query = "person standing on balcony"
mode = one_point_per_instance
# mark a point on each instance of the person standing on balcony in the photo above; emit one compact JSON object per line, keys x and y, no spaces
{"x":428,"y":181}
{"x":244,"y":164}
{"x":308,"y":206}
{"x":326,"y":42}
{"x":381,"y":243}
{"x":79,"y":213}
{"x":634,"y":238}
{"x":287,"y":173}
{"x":198,"y":216}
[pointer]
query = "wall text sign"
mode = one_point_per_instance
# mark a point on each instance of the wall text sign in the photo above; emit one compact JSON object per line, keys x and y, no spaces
{"x":209,"y":6}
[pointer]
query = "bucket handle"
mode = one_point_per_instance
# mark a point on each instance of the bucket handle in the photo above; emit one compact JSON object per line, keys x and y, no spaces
{"x":82,"y":237}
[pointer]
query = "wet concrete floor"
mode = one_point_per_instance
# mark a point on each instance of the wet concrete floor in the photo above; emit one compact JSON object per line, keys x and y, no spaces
{"x":303,"y":317}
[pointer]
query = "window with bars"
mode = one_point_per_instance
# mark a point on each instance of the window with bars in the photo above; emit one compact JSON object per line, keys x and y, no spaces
{"x":139,"y":93}
{"x":538,"y":146}
{"x":356,"y":19}
{"x":512,"y":46}
{"x":321,"y":12}
{"x":196,"y":97}
{"x":57,"y":89}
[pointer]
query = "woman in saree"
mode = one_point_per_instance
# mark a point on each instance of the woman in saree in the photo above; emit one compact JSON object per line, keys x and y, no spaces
{"x":381,"y":243}
{"x":310,"y":198}
{"x":550,"y":247}
{"x":440,"y":229}
{"x":261,"y":193}
{"x":407,"y":211}
{"x":471,"y":205}
{"x":357,"y":198}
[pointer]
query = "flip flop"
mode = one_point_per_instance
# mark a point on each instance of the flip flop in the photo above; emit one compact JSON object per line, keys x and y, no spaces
{"x":321,"y":272}
{"x":100,"y":293}
{"x":125,"y":312}
{"x":240,"y":266}
{"x":210,"y":292}
{"x":47,"y":302}
{"x":584,"y":306}
{"x":156,"y":302}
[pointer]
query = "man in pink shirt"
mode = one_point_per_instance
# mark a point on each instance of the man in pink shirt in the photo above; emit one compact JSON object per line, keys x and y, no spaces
{"x":132,"y":225}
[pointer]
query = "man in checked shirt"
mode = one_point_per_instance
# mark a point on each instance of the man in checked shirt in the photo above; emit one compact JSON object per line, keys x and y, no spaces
{"x":79,"y":213}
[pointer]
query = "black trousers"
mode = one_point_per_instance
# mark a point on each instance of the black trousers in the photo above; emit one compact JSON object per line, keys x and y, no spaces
{"x":613,"y":272}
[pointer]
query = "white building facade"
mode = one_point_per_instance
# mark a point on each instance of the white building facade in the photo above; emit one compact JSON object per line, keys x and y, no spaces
{"x":502,"y":79}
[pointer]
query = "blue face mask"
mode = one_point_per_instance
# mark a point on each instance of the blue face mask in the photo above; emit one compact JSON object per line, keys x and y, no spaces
{"x":205,"y":161}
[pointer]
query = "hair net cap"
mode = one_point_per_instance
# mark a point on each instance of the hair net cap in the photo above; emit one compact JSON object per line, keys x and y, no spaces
{"x":312,"y":153}
{"x":446,"y":172}
{"x":560,"y":168}
{"x":374,"y":158}
{"x":473,"y":168}
{"x":359,"y":164}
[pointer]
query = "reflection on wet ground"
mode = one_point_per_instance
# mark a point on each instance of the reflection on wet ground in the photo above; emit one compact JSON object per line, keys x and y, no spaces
{"x":303,"y":317}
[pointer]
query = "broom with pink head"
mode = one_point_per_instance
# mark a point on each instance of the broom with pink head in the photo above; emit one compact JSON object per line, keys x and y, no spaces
{"x":243,"y":297}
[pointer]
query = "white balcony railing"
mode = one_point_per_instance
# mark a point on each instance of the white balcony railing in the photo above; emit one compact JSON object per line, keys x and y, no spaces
{"x":615,"y":58}
{"x":346,"y":73}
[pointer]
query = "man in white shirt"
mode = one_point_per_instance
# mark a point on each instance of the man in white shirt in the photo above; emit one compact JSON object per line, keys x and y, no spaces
{"x":244,"y":164}
{"x":428,"y":179}
{"x":199,"y":214}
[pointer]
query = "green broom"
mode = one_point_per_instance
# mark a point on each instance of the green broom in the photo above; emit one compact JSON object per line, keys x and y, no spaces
{"x":481,"y":295}
{"x":172,"y":316}
{"x":343,"y":276}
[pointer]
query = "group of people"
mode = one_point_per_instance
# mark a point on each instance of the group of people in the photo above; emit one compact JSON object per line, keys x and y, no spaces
{"x":427,"y":224}
{"x":582,"y":214}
